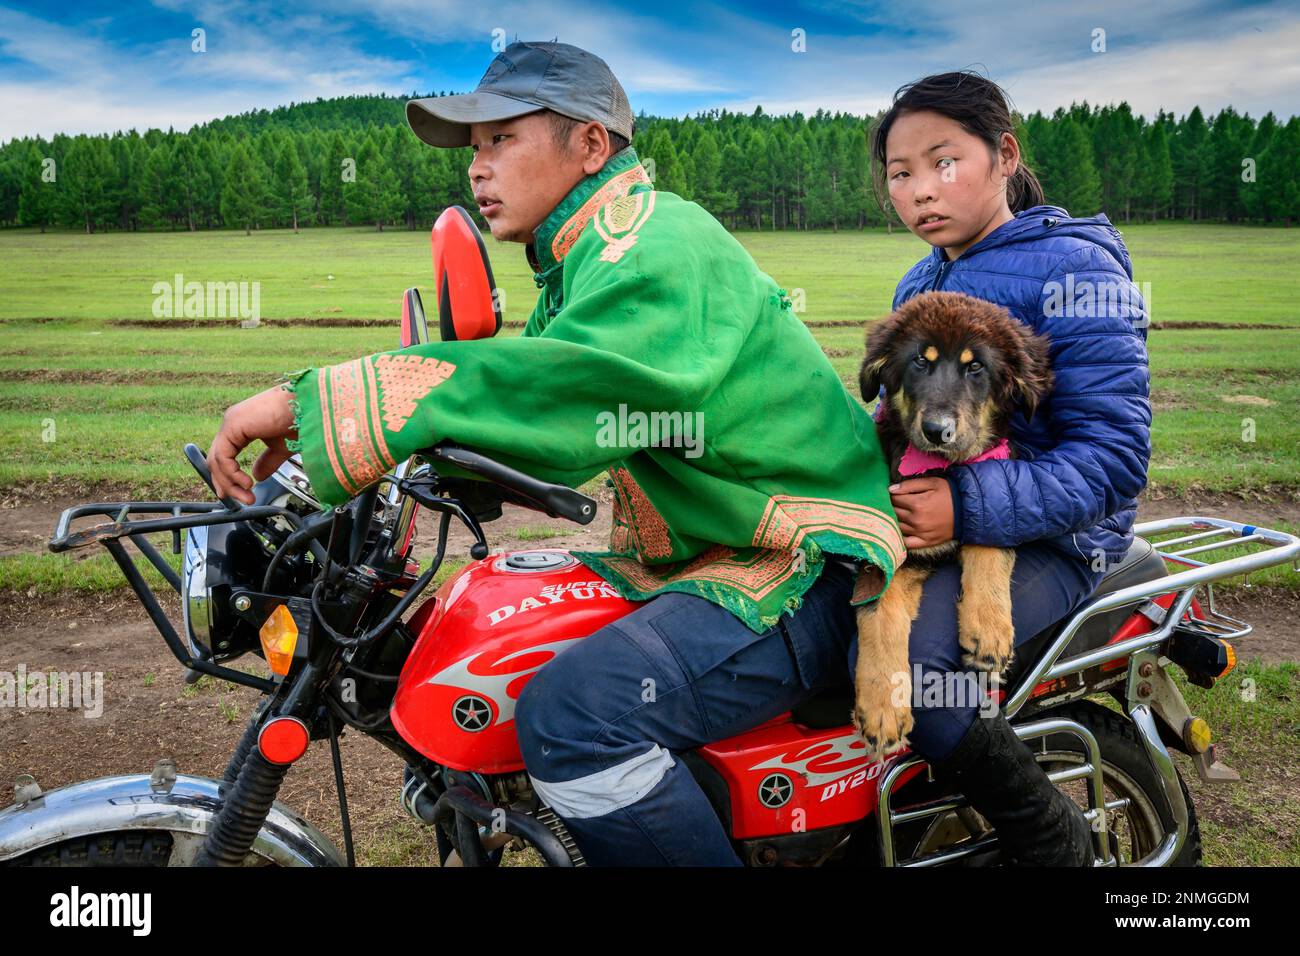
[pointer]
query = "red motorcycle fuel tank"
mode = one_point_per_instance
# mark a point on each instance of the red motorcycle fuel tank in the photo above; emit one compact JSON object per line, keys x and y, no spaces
{"x":479,"y":641}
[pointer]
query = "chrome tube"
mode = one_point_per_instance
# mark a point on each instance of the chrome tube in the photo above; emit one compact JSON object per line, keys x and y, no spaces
{"x":886,"y":817}
{"x":1173,"y":842}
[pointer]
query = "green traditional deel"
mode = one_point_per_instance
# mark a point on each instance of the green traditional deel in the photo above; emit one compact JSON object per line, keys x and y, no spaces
{"x":648,"y":307}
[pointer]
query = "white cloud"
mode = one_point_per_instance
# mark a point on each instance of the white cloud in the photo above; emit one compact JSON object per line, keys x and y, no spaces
{"x":86,"y":84}
{"x":1158,"y":56}
{"x":1172,"y":55}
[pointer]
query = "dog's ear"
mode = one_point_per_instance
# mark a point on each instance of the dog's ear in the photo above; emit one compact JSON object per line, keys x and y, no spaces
{"x":880,"y":340}
{"x":1030,"y":368}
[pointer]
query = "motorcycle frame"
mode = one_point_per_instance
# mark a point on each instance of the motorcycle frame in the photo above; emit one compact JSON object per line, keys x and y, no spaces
{"x":188,"y":806}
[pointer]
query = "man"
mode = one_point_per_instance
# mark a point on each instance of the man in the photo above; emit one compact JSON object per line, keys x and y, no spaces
{"x":741,"y":541}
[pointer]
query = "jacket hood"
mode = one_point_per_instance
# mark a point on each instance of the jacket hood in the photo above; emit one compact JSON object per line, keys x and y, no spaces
{"x":1039,"y":221}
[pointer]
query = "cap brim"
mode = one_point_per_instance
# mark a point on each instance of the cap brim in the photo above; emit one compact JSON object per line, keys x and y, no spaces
{"x":444,"y":120}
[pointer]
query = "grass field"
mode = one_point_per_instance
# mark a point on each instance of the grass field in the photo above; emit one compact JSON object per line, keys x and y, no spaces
{"x":84,"y":398}
{"x":1197,"y":273}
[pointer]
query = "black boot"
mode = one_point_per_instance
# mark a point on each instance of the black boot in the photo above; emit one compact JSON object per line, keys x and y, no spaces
{"x":1036,"y":824}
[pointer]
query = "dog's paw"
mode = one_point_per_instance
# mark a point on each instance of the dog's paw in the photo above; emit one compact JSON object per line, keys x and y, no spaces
{"x":985,"y":654}
{"x":882,"y":725}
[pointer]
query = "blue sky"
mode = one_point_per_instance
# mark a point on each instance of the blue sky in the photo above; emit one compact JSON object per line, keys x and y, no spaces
{"x":93,"y":67}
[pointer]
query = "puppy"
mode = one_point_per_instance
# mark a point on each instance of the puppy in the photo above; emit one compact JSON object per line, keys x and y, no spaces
{"x":953,"y":368}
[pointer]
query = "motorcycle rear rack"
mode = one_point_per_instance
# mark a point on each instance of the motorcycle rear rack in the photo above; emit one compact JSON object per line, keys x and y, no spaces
{"x":1281,"y":548}
{"x":1193,"y":536}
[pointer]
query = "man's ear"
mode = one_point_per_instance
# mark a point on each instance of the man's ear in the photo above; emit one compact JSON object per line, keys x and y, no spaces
{"x":880,"y":341}
{"x":595,"y":146}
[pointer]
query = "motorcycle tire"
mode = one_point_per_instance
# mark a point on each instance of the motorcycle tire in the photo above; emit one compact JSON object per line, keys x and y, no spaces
{"x":116,"y":849}
{"x":1127,"y":771}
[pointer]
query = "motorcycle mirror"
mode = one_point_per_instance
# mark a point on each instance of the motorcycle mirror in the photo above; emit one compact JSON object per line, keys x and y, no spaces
{"x":415,"y":328}
{"x":462,"y":276}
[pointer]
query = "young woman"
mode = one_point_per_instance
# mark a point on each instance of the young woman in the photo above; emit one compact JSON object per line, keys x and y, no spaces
{"x":946,"y":155}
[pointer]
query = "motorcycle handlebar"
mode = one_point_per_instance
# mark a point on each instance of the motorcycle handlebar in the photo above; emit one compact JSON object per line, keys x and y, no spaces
{"x":556,"y":500}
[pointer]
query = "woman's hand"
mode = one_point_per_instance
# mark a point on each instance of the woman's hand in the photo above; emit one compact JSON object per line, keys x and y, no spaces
{"x":268,"y":416}
{"x":924,"y":509}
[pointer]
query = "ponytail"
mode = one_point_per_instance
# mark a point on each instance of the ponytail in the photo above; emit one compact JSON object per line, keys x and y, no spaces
{"x":1023,"y":189}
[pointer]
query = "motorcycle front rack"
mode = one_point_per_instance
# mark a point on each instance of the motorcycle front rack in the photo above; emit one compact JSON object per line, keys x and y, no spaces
{"x":1261,"y":548}
{"x":184,"y":514}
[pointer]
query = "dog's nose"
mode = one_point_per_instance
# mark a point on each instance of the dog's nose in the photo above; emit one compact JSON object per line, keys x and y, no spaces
{"x":939,"y":431}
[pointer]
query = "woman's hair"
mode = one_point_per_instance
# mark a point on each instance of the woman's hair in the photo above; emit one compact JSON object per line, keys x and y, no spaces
{"x":975,"y":102}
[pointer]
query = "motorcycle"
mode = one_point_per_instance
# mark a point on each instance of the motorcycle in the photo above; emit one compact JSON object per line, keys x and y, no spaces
{"x":322,"y":595}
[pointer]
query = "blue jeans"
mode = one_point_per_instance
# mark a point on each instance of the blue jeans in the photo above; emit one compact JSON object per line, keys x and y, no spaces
{"x":599,"y":724}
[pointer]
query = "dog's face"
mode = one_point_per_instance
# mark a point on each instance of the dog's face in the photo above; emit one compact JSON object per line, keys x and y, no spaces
{"x":952,"y":367}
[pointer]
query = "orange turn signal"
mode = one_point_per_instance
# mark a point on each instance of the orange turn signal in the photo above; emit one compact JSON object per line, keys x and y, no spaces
{"x":279,"y":635}
{"x":1232,"y":658}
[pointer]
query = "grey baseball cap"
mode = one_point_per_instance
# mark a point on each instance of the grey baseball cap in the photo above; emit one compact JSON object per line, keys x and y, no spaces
{"x":525,"y":78}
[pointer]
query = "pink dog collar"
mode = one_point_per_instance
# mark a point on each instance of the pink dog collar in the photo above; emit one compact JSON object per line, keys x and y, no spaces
{"x":916,"y":462}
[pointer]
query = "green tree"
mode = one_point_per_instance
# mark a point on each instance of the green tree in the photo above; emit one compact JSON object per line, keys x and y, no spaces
{"x":292,"y":201}
{"x":332,"y":205}
{"x":1278,"y":174}
{"x":1155,"y":178}
{"x":244,"y":193}
{"x":375,"y":196}
{"x":1254,"y":197}
{"x":38,"y":181}
{"x":1115,"y":146}
{"x":668,"y":170}
{"x":1076,"y":186}
{"x":1188,"y":154}
{"x":160,"y":187}
{"x":84,"y":175}
{"x":706,"y":161}
{"x":193,"y":181}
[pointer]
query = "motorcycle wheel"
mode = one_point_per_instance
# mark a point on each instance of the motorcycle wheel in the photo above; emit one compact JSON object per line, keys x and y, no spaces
{"x":1136,"y":829}
{"x":121,"y":848}
{"x":1126,"y":774}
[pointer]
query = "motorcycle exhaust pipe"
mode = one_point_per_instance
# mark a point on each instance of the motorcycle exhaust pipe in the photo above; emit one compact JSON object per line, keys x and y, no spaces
{"x":479,"y":826}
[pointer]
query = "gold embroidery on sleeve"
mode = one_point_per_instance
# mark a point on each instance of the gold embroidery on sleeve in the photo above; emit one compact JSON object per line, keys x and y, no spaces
{"x":637,"y":518}
{"x":403,"y":381}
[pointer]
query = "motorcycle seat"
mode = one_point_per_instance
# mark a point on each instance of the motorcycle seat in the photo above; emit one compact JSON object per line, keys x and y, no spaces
{"x":831,"y":707}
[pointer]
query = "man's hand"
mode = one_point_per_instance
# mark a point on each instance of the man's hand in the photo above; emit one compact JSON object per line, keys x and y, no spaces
{"x":268,"y":416}
{"x":924,"y":509}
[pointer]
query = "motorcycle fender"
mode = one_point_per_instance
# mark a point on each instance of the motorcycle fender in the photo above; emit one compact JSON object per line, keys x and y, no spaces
{"x":186,"y":808}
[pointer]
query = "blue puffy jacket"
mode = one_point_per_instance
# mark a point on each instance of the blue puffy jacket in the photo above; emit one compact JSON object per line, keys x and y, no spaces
{"x":1082,"y":459}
